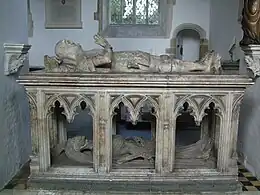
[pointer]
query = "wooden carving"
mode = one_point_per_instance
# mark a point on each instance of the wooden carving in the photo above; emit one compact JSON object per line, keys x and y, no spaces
{"x":250,"y":22}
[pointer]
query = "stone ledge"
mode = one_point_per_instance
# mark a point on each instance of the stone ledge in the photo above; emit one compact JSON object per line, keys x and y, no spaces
{"x":70,"y":192}
{"x":139,"y":187}
{"x":137,"y":80}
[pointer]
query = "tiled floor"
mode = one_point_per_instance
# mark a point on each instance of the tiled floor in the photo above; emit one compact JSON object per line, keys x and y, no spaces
{"x":249,"y":182}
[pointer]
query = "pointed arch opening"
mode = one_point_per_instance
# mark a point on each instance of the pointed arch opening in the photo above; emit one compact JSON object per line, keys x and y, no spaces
{"x":133,"y":125}
{"x":70,"y":126}
{"x":197,"y":131}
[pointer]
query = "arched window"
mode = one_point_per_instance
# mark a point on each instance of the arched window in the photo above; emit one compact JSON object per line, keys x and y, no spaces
{"x":135,"y":18}
{"x":134,"y":12}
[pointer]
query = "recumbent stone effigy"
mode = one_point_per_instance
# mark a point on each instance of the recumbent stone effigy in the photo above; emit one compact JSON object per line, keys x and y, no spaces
{"x":102,"y":80}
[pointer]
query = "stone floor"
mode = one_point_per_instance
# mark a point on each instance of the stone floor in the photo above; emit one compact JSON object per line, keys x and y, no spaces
{"x":249,"y":182}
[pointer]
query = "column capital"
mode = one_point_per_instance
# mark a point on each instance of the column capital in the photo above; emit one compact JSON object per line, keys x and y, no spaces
{"x":252,"y":59}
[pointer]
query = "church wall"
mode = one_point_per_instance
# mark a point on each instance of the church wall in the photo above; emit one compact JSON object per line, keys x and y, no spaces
{"x":224,"y":26}
{"x":249,"y":130}
{"x":14,"y":110}
{"x":43,"y":40}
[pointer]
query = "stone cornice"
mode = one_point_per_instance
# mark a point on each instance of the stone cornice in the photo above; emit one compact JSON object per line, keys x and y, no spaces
{"x":14,"y":57}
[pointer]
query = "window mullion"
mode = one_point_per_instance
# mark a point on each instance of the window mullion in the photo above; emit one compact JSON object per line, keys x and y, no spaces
{"x":122,"y":11}
{"x":134,"y":11}
{"x":146,"y":11}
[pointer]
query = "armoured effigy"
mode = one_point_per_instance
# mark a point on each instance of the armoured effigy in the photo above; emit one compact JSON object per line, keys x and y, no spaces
{"x":70,"y":57}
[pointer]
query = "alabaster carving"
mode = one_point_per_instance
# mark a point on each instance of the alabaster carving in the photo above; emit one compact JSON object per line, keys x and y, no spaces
{"x":70,"y":57}
{"x":253,"y":65}
{"x":80,"y":149}
{"x":250,"y":22}
{"x":14,"y":57}
{"x":252,"y":59}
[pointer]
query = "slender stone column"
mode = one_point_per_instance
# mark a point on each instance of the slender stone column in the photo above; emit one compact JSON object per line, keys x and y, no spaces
{"x":44,"y":137}
{"x":225,"y":142}
{"x":102,"y":134}
{"x":166,"y":147}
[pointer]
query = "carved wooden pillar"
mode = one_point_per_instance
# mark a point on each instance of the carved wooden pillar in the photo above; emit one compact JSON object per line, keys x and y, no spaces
{"x":165,"y":143}
{"x":44,"y":137}
{"x":225,"y":142}
{"x":102,"y":137}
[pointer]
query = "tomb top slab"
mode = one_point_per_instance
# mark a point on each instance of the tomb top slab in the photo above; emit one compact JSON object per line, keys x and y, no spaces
{"x":151,"y":80}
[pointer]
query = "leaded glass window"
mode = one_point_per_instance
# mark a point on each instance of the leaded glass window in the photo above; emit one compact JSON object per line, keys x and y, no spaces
{"x":134,"y":12}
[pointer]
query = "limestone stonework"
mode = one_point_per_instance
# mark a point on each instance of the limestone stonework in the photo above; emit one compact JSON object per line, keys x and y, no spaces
{"x":166,"y":93}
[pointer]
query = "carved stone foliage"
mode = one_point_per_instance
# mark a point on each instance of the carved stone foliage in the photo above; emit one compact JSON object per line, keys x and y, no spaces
{"x":253,"y":65}
{"x":15,"y":56}
{"x":197,"y":104}
{"x":69,"y":103}
{"x":33,"y":122}
{"x":134,"y":105}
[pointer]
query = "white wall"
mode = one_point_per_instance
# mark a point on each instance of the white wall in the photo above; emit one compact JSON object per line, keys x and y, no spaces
{"x":43,"y":40}
{"x":14,"y":110}
{"x":191,"y":44}
{"x":249,"y":130}
{"x":192,"y":11}
{"x":224,"y":26}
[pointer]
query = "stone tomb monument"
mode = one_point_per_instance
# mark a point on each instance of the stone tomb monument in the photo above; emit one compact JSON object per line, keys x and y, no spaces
{"x":103,"y":82}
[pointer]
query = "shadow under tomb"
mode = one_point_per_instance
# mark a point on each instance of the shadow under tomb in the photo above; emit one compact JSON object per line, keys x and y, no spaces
{"x":75,"y":146}
{"x":195,"y":142}
{"x":133,"y":141}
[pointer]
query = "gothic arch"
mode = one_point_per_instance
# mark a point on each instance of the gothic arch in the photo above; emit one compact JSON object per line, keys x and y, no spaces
{"x":190,"y":26}
{"x":133,"y":108}
{"x":204,"y":43}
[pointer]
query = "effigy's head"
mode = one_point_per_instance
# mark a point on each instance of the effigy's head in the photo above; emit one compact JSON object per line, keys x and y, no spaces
{"x":68,"y":49}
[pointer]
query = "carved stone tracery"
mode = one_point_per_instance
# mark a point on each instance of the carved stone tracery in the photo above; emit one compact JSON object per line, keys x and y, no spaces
{"x":197,"y":104}
{"x":70,"y":104}
{"x":134,"y":104}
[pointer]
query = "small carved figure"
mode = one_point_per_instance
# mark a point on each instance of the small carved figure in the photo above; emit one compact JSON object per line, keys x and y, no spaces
{"x":78,"y":148}
{"x":250,"y":22}
{"x":74,"y":59}
{"x":124,"y":150}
